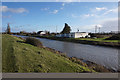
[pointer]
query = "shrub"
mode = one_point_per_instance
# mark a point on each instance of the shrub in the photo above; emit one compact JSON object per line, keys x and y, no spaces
{"x":21,"y":38}
{"x":33,"y":41}
{"x":114,"y":37}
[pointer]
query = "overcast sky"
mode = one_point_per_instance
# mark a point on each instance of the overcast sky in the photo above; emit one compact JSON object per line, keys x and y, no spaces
{"x":35,"y":16}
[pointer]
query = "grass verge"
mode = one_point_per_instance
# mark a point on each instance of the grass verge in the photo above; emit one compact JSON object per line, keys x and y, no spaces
{"x":17,"y":56}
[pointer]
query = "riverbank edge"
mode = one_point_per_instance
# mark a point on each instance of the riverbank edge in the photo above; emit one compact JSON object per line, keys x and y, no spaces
{"x":86,"y":63}
{"x":47,"y":60}
{"x":97,"y":43}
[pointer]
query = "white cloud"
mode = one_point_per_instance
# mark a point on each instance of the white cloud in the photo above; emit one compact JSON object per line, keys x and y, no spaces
{"x":111,"y":10}
{"x":45,"y":9}
{"x":87,"y":28}
{"x":55,"y":12}
{"x":74,"y":16}
{"x":9,"y":16}
{"x":109,"y":25}
{"x":89,"y":15}
{"x":100,"y":9}
{"x":63,"y":4}
{"x":13,"y":10}
{"x":84,"y":16}
{"x":105,"y":25}
{"x":92,"y":26}
{"x":61,"y":8}
{"x":68,"y":0}
{"x":99,"y":25}
{"x":96,"y":12}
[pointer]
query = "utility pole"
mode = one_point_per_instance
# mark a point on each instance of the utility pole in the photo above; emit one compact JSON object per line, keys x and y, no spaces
{"x":56,"y":29}
{"x":96,"y":29}
{"x":99,"y":29}
{"x":77,"y":30}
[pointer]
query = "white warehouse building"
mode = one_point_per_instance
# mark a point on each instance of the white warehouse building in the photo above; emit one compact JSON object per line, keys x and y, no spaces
{"x":78,"y":34}
{"x":74,"y":35}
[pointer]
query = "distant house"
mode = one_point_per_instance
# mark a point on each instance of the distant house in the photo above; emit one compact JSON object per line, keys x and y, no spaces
{"x":74,"y":35}
{"x":41,"y":32}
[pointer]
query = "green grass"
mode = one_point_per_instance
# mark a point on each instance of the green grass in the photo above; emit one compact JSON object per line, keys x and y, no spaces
{"x":87,"y":39}
{"x":22,"y":58}
{"x":97,"y":39}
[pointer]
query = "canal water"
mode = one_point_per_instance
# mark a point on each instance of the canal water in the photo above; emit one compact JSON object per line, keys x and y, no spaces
{"x":105,"y":56}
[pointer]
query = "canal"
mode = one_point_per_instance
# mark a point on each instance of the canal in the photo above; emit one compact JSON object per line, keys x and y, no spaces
{"x":105,"y":56}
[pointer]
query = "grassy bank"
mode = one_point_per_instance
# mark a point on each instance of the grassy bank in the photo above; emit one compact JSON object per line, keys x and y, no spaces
{"x":91,"y":41}
{"x":21,"y":57}
{"x":97,"y":39}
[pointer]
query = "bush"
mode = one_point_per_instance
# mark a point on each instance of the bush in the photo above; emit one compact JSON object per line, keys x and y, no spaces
{"x":21,"y":38}
{"x":114,"y":37}
{"x":33,"y":41}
